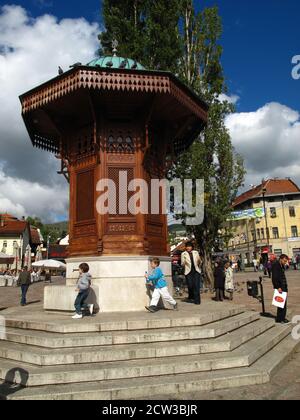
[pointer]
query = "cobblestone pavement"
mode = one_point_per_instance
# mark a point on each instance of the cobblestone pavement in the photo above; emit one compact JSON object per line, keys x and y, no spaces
{"x":10,"y":296}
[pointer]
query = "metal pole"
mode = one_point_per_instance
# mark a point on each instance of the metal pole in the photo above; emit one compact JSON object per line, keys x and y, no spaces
{"x":48,"y":242}
{"x":266,"y":219}
{"x":262,"y":295}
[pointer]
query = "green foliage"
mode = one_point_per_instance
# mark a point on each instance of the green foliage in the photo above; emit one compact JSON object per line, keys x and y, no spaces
{"x":172,"y":35}
{"x":55,"y":231}
{"x":146,"y":31}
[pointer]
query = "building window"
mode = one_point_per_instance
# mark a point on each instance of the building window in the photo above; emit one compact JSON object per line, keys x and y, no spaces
{"x":262,"y":233}
{"x":294,"y":232}
{"x":258,"y":233}
{"x":292,"y":212}
{"x":273,"y":212}
{"x":253,"y":233}
{"x":278,"y":252}
{"x":275,"y":233}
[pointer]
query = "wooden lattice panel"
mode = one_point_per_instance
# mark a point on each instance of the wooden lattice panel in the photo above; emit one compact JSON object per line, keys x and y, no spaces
{"x":85,"y":196}
{"x":113,"y":174}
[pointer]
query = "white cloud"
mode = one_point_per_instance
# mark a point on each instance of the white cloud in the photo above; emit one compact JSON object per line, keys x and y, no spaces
{"x":232,"y":99}
{"x":24,"y":198}
{"x":30,"y":52}
{"x":269,"y":140}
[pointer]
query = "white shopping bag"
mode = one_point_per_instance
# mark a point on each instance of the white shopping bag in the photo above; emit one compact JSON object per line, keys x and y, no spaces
{"x":279,"y":299}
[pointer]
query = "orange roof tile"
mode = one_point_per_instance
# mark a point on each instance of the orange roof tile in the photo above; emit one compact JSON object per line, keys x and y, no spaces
{"x":35,"y":236}
{"x":272,"y":186}
{"x":13,"y":227}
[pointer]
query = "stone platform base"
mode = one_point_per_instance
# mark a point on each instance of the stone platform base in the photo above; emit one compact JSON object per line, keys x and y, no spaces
{"x":49,"y":356}
{"x":118,"y":282}
{"x":62,"y":298}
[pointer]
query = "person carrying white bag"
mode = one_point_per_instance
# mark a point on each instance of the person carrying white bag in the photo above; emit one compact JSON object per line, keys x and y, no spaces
{"x":281,"y":288}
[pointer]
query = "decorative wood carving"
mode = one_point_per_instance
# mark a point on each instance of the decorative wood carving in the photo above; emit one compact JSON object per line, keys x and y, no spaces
{"x":85,"y":230}
{"x":125,"y":159}
{"x":118,"y":228}
{"x":103,"y":121}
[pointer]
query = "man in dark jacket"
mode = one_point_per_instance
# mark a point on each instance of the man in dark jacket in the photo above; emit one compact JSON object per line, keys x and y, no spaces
{"x":24,"y":281}
{"x":280,"y":283}
{"x":219,"y":275}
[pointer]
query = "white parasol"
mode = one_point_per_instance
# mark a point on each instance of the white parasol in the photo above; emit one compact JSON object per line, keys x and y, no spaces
{"x":50,"y":264}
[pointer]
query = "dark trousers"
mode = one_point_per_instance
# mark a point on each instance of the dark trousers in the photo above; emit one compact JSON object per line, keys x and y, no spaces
{"x":24,"y":290}
{"x":281,"y":313}
{"x":194,"y":283}
{"x":220,"y":295}
{"x":79,"y":302}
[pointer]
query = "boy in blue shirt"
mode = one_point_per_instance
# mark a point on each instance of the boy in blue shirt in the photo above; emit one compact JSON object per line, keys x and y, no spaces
{"x":160,"y":287}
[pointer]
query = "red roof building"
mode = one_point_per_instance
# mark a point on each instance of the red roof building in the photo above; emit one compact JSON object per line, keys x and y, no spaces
{"x":271,"y":188}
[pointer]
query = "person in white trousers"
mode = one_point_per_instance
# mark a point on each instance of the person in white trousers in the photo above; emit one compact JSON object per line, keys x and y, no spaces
{"x":160,"y":287}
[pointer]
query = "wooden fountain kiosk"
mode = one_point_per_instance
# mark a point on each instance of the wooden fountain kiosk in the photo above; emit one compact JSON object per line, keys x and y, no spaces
{"x":99,"y":119}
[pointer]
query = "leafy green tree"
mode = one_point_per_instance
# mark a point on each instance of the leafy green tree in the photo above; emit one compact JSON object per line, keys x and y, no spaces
{"x":174,"y":36}
{"x":212,"y":156}
{"x":146,"y":31}
{"x":124,"y":22}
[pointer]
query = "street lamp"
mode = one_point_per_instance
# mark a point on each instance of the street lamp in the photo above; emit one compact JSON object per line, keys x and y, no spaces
{"x":264,"y":190}
{"x":48,"y":243}
{"x":16,"y":251}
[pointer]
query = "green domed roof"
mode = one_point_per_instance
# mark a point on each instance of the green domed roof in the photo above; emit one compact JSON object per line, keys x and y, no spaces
{"x":113,"y":62}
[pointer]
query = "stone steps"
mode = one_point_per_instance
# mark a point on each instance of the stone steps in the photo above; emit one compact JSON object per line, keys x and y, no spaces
{"x":129,"y":321}
{"x":53,"y":340}
{"x":45,"y":357}
{"x":244,"y":356}
{"x":126,"y":389}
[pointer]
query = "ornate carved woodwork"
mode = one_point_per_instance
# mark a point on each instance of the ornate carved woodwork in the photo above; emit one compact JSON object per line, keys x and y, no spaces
{"x":100,"y":122}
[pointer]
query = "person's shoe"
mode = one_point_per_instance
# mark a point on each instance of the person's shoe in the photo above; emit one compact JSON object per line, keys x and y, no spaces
{"x":77,"y":316}
{"x":188,"y":301}
{"x":91,"y":309}
{"x":151,"y":309}
{"x":175,"y":307}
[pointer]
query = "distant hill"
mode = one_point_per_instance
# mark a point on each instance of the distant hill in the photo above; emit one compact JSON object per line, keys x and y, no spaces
{"x":62,"y":226}
{"x":56,"y":230}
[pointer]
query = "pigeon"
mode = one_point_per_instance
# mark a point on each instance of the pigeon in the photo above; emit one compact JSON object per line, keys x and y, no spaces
{"x":123,"y":64}
{"x":134,"y":66}
{"x":60,"y":70}
{"x":75,"y":65}
{"x":109,"y":64}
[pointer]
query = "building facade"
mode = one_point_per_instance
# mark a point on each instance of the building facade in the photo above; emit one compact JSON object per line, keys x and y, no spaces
{"x":275,"y":229}
{"x":15,"y":236}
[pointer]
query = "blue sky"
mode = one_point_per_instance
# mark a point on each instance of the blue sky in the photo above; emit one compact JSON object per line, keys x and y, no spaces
{"x":260,"y":38}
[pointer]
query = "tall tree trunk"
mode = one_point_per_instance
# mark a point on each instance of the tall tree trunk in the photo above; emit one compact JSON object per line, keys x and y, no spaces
{"x":208,"y":269}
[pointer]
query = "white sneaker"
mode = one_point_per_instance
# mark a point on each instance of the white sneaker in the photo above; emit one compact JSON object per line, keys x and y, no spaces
{"x":91,"y":309}
{"x":77,"y":316}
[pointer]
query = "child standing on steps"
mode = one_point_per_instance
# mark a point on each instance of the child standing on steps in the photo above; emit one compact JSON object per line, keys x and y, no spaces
{"x":160,"y":287}
{"x":83,"y":289}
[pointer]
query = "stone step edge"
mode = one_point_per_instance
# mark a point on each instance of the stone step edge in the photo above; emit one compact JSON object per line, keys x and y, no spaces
{"x":224,"y":344}
{"x":245,"y":356}
{"x":115,"y":338}
{"x":260,"y":373}
{"x":154,"y":321}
